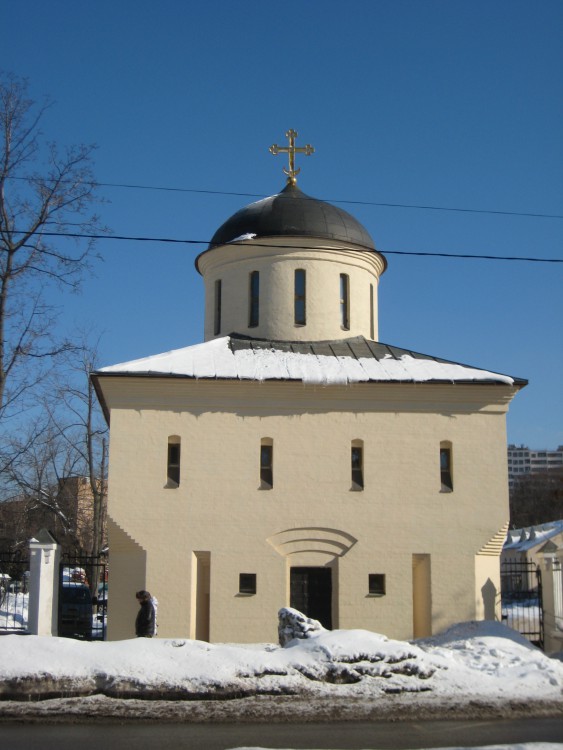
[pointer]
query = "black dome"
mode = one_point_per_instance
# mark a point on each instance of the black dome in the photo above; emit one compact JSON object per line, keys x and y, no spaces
{"x":291,"y":213}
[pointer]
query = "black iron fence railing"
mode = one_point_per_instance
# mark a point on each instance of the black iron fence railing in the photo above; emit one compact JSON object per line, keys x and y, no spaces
{"x":14,"y":591}
{"x":83,"y":597}
{"x":521,"y":599}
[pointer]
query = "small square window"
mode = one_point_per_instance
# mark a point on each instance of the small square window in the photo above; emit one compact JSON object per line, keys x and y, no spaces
{"x":247,"y":583}
{"x":376,"y":584}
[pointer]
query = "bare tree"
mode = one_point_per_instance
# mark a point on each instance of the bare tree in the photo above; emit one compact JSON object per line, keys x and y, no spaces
{"x":43,"y":496}
{"x":537,"y":498}
{"x":59,"y":476}
{"x":44,"y":192}
{"x":83,"y":428}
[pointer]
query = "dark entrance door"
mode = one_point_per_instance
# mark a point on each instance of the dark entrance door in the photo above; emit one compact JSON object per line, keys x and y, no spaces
{"x":311,"y":593}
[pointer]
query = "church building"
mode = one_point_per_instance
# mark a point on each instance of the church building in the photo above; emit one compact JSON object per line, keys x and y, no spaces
{"x":293,"y":459}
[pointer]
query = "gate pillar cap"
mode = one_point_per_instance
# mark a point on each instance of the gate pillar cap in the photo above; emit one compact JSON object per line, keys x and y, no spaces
{"x":43,"y":537}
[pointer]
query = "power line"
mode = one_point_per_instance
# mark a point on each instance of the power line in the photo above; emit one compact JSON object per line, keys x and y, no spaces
{"x":172,"y":240}
{"x":348,"y":202}
{"x":338,"y":200}
{"x":421,"y":207}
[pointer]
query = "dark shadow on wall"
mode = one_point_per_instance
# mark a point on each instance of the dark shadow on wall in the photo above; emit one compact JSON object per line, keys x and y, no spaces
{"x":489,"y":593}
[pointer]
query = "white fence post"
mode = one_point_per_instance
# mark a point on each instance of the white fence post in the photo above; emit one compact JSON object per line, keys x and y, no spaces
{"x":558,"y":591}
{"x":552,"y":595}
{"x":45,"y":555}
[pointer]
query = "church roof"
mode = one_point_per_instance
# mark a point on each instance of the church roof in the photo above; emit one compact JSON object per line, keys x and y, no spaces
{"x":291,"y":213}
{"x":340,"y":362}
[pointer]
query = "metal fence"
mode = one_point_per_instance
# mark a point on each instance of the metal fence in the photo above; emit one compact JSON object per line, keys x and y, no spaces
{"x":83,"y":597}
{"x":521,"y":599}
{"x":14,"y":591}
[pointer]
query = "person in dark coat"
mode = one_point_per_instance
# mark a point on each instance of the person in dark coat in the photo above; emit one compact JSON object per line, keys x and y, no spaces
{"x":146,"y":616}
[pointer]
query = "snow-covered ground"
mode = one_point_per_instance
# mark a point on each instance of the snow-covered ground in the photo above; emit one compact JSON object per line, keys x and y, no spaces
{"x":472,"y":670}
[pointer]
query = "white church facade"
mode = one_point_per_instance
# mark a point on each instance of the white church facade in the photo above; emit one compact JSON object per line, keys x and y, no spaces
{"x":291,"y":459}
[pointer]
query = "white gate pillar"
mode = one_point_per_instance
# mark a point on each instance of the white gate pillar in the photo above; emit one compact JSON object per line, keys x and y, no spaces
{"x":45,"y":555}
{"x":552,"y":599}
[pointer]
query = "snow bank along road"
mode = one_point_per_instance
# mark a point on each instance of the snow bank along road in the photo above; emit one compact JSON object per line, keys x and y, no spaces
{"x":472,"y":670}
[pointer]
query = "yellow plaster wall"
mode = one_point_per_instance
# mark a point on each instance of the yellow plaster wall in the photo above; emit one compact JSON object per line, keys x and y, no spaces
{"x":128,"y":560}
{"x":220,"y":509}
{"x":487,"y":587}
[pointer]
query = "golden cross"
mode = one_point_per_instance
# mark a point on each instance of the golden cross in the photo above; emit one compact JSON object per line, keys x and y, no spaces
{"x":292,"y":149}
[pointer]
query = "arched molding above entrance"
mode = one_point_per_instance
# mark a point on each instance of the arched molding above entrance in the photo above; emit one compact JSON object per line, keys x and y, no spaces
{"x":312,"y":539}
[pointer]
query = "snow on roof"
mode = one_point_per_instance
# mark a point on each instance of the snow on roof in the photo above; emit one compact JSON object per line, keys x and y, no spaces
{"x":319,"y":363}
{"x":521,"y":540}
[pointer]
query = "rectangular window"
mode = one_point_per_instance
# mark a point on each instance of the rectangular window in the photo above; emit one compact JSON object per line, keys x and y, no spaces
{"x":266,"y":467}
{"x":253,"y":316}
{"x":371,"y":314}
{"x":247,"y":583}
{"x":299,"y":303}
{"x":357,"y":467}
{"x":173,"y":464}
{"x":376,"y":584}
{"x":217,"y":311}
{"x":345,"y":301}
{"x":446,"y":469}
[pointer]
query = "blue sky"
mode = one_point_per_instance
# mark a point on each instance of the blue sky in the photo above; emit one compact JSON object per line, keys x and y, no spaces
{"x":424,"y":102}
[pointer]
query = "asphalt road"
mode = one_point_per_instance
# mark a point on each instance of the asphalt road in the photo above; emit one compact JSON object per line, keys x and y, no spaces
{"x":336,"y":736}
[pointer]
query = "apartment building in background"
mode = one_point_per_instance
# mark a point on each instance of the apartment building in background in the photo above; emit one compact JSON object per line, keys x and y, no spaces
{"x":523,"y":460}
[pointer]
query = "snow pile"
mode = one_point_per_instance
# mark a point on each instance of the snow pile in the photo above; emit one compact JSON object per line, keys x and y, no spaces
{"x":356,"y":657}
{"x":294,"y":624}
{"x":183,"y":669}
{"x":480,"y":655}
{"x":469,"y":663}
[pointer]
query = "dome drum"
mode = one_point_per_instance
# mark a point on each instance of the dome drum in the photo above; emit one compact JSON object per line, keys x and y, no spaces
{"x":272,"y":272}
